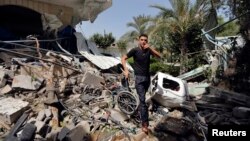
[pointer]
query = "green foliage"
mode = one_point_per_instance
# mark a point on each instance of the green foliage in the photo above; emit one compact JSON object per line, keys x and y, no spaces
{"x":122,"y":44}
{"x":103,"y":41}
{"x":180,"y":28}
{"x":234,"y":9}
{"x":194,"y":61}
{"x":156,"y":66}
{"x":174,"y":42}
{"x":229,"y":29}
{"x":130,"y":61}
{"x":193,"y":37}
{"x":161,"y":67}
{"x":158,"y":35}
{"x":193,"y":44}
{"x":141,"y":24}
{"x":154,"y":60}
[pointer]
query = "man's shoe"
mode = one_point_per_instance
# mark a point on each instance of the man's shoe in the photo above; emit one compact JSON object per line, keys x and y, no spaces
{"x":145,"y":128}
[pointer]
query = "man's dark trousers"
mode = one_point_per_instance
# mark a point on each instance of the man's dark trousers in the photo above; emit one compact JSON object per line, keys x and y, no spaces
{"x":142,"y":84}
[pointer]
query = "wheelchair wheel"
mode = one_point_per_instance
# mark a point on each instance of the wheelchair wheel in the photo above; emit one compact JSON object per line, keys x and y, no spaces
{"x":127,"y":102}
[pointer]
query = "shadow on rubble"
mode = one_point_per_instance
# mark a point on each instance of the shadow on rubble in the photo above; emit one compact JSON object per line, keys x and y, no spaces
{"x":174,"y":129}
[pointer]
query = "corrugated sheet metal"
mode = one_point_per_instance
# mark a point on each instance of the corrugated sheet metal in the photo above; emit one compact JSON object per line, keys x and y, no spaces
{"x":101,"y":61}
{"x":193,"y":73}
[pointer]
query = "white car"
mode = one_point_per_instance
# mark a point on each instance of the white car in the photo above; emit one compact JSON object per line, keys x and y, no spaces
{"x":168,"y":91}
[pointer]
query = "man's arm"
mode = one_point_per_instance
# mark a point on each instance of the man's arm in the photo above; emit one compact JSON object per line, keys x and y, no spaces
{"x":155,"y":52}
{"x":124,"y":61}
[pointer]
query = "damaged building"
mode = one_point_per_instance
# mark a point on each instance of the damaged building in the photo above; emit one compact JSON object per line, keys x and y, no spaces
{"x":55,"y":85}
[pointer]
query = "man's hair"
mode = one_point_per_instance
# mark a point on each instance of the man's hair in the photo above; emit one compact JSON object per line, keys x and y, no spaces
{"x":143,"y":35}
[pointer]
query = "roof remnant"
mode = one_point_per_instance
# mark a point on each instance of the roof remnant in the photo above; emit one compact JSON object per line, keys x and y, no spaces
{"x":101,"y":61}
{"x":70,"y":12}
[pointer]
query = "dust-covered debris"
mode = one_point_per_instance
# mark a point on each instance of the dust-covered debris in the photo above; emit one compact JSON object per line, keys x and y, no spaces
{"x":77,"y":104}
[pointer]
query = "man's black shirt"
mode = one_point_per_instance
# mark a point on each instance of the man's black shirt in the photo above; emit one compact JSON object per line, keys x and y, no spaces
{"x":141,"y":60}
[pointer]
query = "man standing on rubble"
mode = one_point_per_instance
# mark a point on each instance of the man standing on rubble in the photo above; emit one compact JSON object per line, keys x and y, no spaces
{"x":141,"y":55}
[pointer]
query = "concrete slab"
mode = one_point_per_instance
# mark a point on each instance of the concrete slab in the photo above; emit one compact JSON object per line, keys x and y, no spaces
{"x":11,"y":109}
{"x":2,"y":78}
{"x":26,"y":82}
{"x":5,"y":89}
{"x":91,"y":79}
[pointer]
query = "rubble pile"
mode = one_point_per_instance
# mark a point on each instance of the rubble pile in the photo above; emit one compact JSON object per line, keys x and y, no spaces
{"x":61,"y":98}
{"x":54,"y":96}
{"x":221,"y":107}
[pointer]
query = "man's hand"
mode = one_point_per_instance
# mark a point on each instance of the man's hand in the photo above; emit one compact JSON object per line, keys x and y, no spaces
{"x":126,"y":73}
{"x":146,"y":46}
{"x":154,"y":52}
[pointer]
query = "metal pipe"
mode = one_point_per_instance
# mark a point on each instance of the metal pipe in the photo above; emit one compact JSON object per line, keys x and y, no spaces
{"x":25,"y":41}
{"x":46,"y":50}
{"x":6,"y":50}
{"x":206,"y":32}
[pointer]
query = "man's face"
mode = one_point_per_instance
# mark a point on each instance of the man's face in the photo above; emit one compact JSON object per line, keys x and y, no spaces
{"x":143,"y":41}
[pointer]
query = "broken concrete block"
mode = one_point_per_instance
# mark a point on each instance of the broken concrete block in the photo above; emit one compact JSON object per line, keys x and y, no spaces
{"x":31,"y":120}
{"x":141,"y":136}
{"x":72,"y":81}
{"x":26,"y":82}
{"x":40,"y":115}
{"x":85,"y":125}
{"x":10,"y":73}
{"x":37,"y":71}
{"x":6,"y":89}
{"x":79,"y":132}
{"x":2,"y":78}
{"x":11,"y":109}
{"x":95,"y":109}
{"x":92,"y":79}
{"x":54,"y":122}
{"x":38,"y":137}
{"x":48,"y":112}
{"x":118,"y":115}
{"x":97,"y":116}
{"x":52,"y":135}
